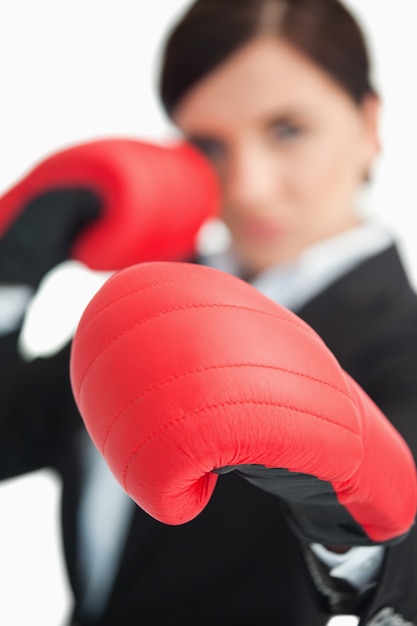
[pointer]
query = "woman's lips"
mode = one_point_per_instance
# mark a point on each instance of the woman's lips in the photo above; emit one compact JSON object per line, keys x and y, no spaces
{"x":258,"y":231}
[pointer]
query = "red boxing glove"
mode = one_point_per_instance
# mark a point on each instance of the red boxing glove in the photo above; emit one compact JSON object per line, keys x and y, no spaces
{"x":135,"y":202}
{"x":182,"y":372}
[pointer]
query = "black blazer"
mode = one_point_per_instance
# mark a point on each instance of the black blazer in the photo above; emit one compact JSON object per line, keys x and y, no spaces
{"x":238,"y":563}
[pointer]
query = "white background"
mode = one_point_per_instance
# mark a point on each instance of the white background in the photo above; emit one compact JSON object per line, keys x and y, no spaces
{"x":71,"y":71}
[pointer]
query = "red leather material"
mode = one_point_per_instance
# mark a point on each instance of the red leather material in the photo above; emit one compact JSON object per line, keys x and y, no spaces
{"x":154,"y":199}
{"x":179,"y":369}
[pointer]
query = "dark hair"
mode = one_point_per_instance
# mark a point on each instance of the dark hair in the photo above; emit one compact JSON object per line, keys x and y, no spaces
{"x":211,"y":30}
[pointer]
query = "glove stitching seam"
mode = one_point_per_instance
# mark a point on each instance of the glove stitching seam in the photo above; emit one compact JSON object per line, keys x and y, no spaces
{"x":210,"y":368}
{"x":216,"y":406}
{"x":184,"y":308}
{"x":120,"y":298}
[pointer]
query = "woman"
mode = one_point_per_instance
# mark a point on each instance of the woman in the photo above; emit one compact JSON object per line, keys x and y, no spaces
{"x":277,"y":94}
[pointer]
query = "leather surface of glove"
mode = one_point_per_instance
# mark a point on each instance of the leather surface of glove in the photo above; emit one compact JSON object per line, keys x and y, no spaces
{"x":182,"y":372}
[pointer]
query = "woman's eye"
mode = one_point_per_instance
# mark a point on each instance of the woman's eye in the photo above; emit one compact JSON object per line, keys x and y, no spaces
{"x":285,"y":131}
{"x":211,"y":148}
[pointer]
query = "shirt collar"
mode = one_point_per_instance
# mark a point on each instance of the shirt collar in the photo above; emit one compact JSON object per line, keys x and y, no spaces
{"x":295,"y":283}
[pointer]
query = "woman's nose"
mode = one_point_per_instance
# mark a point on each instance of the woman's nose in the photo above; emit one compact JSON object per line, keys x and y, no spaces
{"x":251,"y":180}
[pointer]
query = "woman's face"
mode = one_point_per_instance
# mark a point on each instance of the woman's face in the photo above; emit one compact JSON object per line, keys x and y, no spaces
{"x":290,"y":146}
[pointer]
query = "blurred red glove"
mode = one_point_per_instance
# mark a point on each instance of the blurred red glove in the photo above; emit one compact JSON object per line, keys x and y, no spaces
{"x":107,"y":203}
